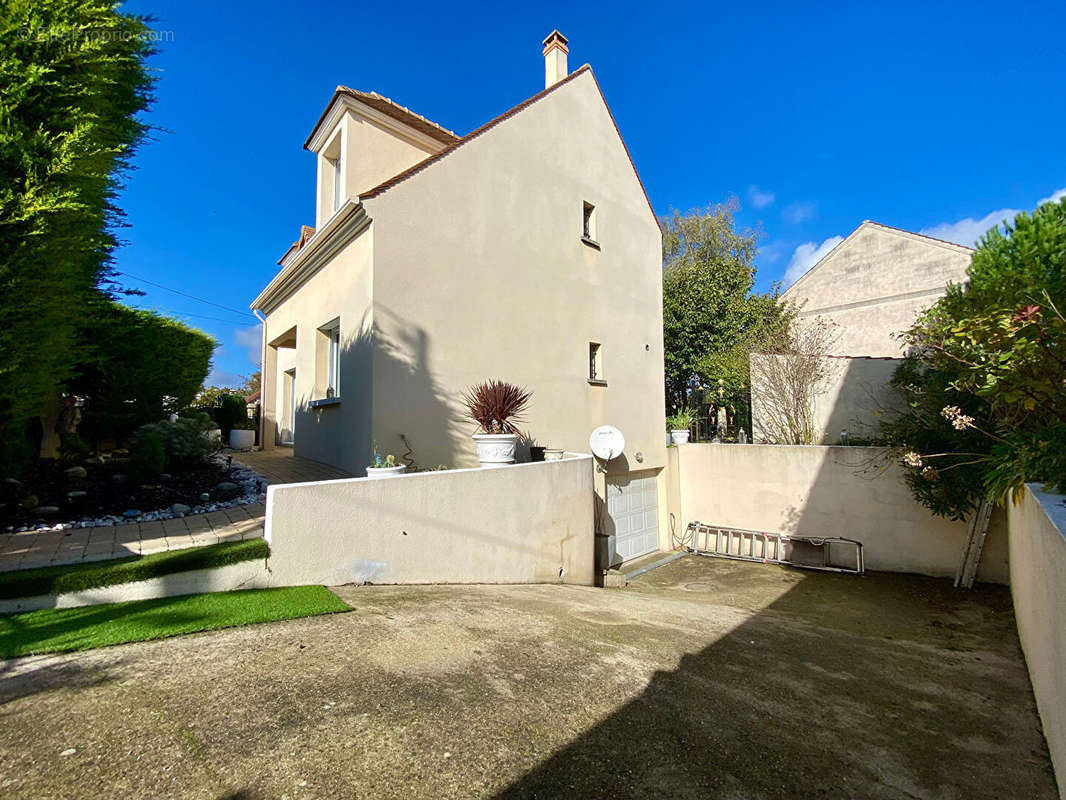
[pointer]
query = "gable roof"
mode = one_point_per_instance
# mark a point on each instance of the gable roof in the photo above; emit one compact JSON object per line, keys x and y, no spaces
{"x":866,"y":224}
{"x":451,"y":148}
{"x":390,"y":108}
{"x":306,"y":232}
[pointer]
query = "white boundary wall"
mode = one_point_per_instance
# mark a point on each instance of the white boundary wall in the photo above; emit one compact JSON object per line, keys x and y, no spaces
{"x":524,"y":523}
{"x":1038,"y":584}
{"x":824,"y":491}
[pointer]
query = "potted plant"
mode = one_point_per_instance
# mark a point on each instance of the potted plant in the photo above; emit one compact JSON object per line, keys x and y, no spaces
{"x":553,"y":454}
{"x":242,"y":435}
{"x":679,"y":424}
{"x":496,"y":406}
{"x":384,"y":466}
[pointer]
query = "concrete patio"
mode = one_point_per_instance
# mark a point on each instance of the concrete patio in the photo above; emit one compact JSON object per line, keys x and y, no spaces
{"x":703,"y":679}
{"x":76,"y":545}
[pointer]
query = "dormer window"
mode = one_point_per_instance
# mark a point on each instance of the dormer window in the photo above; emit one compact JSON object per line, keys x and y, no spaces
{"x":338,"y":194}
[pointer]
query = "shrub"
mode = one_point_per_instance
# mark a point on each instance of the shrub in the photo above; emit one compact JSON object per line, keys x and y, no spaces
{"x":986,"y":407}
{"x":496,"y":406}
{"x":72,"y":447}
{"x":182,"y":442}
{"x":231,"y":412}
{"x":140,"y":367}
{"x":147,"y":456}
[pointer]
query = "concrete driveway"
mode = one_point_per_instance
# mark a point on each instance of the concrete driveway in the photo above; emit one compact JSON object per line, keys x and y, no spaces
{"x":704,"y":679}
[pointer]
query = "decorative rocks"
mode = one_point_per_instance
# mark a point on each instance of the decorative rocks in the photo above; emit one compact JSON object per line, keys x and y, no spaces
{"x":120,"y":479}
{"x":76,"y":472}
{"x":12,"y":483}
{"x":77,"y":495}
{"x":92,"y":460}
{"x":164,"y":477}
{"x":29,"y":502}
{"x":205,"y":497}
{"x":46,"y":511}
{"x":131,"y":513}
{"x":180,"y":508}
{"x":227,"y":489}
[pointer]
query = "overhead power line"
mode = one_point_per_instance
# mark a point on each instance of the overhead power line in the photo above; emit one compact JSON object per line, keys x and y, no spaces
{"x":185,"y":294}
{"x":188,"y":314}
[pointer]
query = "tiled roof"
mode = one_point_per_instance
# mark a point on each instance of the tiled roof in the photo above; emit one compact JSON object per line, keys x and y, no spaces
{"x":306,"y":232}
{"x":393,"y":109}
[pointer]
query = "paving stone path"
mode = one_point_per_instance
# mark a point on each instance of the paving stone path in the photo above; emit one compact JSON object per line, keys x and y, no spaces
{"x":76,"y":545}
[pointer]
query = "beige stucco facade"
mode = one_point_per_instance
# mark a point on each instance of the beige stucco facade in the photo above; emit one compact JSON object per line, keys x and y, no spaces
{"x":875,"y":282}
{"x":471,"y":267}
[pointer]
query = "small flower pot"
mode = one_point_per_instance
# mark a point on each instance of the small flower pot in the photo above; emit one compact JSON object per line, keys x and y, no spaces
{"x":385,"y":472}
{"x":496,"y":449}
{"x":241,"y":439}
{"x":553,"y":454}
{"x":536,"y":452}
{"x":679,"y":437}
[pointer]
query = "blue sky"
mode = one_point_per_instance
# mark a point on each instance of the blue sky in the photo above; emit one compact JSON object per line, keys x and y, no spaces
{"x":934,"y":116}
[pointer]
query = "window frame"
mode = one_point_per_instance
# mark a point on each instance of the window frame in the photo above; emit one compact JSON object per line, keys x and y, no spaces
{"x":595,"y":365}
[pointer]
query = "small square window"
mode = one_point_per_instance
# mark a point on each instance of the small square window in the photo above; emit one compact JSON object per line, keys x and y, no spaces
{"x":588,"y":225}
{"x":595,"y":362}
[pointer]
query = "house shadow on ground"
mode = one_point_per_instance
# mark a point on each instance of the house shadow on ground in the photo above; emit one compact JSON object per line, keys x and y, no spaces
{"x":830,"y":686}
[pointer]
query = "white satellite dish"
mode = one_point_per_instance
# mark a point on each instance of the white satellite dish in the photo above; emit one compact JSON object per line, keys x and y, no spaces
{"x":607,"y":442}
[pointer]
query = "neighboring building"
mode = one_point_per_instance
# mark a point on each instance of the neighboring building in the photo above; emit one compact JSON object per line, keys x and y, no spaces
{"x":526,"y":250}
{"x":875,"y":282}
{"x":872,"y":286}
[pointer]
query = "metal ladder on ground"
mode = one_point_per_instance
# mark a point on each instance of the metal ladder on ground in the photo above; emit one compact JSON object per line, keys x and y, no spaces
{"x":828,"y":553}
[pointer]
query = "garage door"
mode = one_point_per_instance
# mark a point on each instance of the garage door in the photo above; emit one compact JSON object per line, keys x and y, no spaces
{"x":633,"y":513}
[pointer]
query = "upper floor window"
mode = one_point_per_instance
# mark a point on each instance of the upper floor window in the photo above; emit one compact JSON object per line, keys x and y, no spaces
{"x":588,"y":224}
{"x":338,"y":194}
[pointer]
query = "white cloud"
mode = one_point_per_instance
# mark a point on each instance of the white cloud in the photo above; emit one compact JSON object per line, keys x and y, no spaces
{"x":759,"y":198}
{"x":806,"y":256}
{"x":967,"y":231}
{"x":799,"y":212}
{"x":251,"y":339}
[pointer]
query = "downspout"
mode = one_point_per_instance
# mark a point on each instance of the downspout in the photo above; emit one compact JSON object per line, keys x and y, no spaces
{"x":262,"y":383}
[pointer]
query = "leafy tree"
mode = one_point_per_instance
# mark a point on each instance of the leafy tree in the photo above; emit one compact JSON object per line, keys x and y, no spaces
{"x":985,"y":387}
{"x":74,"y":81}
{"x":711,"y":320}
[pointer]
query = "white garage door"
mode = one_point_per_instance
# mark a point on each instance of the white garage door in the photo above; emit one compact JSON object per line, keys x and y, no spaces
{"x":633,"y":511}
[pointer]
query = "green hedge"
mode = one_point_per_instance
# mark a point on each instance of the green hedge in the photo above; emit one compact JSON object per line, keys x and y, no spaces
{"x":79,"y":577}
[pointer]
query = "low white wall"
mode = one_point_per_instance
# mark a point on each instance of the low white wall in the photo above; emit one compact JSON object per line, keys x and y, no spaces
{"x":853,"y":492}
{"x":526,"y":523}
{"x":1037,"y":527}
{"x":243,"y":575}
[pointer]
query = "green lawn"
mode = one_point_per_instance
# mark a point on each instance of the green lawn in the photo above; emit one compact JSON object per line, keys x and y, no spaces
{"x":78,"y":577}
{"x":57,"y":630}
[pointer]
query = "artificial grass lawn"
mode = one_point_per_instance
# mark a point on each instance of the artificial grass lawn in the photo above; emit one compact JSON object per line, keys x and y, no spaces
{"x":78,"y":577}
{"x":58,"y":630}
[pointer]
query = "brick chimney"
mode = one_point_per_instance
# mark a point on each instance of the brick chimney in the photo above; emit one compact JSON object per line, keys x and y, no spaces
{"x":555,"y":51}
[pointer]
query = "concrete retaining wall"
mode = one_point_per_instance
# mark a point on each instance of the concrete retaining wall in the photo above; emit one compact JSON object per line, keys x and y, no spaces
{"x":526,"y":523}
{"x":1038,"y":584}
{"x":853,"y":492}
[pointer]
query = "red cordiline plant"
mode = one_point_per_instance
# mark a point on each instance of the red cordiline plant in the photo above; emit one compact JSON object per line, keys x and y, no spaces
{"x":496,"y":405}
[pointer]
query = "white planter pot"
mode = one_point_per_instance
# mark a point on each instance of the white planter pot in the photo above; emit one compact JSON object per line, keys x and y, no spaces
{"x":385,"y":472}
{"x":552,"y":454}
{"x":679,"y":437}
{"x":496,"y":449}
{"x":241,"y":440}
